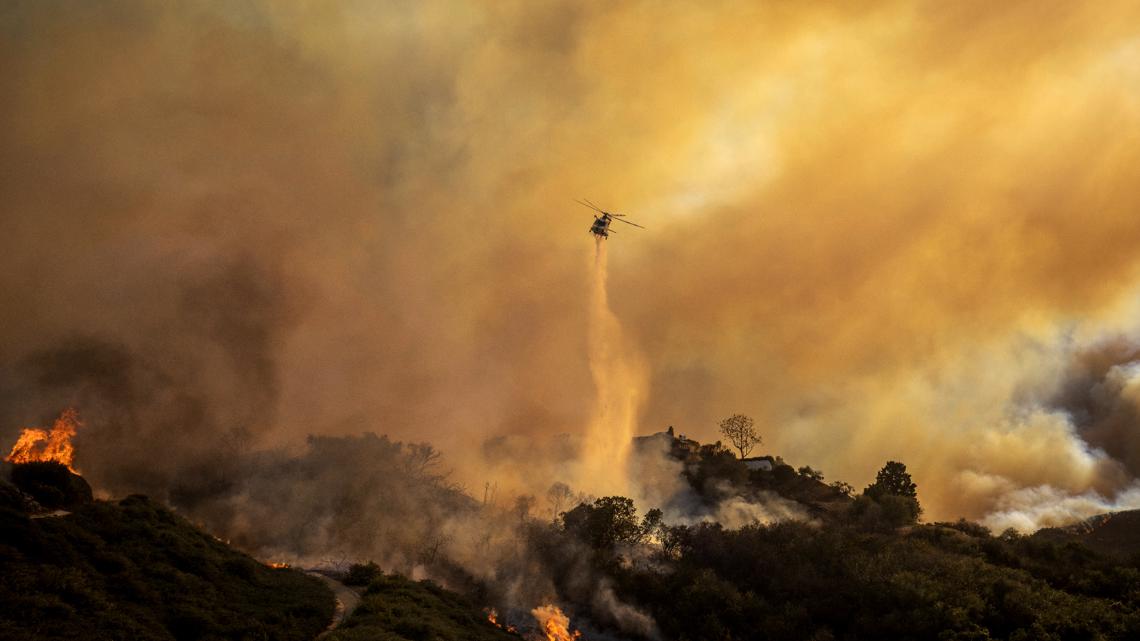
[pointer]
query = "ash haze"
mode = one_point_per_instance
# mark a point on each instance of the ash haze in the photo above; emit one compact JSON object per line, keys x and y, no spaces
{"x":891,"y":230}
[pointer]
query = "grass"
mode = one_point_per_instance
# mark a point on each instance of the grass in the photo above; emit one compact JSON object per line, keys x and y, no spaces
{"x":134,"y":570}
{"x":398,"y":609}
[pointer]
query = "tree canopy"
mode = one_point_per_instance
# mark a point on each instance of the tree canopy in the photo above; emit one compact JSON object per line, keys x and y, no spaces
{"x":895,"y":493}
{"x":893,"y":479}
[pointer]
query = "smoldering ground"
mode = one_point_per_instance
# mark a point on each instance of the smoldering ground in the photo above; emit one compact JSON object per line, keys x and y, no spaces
{"x":882,"y":231}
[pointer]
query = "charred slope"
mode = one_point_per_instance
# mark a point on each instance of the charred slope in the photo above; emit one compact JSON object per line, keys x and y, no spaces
{"x":135,"y":570}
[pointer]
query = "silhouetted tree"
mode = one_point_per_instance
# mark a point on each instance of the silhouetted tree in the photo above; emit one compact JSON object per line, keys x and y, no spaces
{"x":739,"y":431}
{"x":893,"y":479}
{"x":896,"y":493}
{"x":608,"y":521}
{"x":652,"y":525}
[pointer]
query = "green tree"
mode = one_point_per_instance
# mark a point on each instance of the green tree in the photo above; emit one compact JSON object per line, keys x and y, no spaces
{"x":608,"y":521}
{"x":893,"y":479}
{"x":739,"y":431}
{"x":894,"y":490}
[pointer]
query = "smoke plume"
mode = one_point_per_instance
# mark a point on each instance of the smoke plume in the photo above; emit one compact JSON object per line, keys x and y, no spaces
{"x":884,"y":232}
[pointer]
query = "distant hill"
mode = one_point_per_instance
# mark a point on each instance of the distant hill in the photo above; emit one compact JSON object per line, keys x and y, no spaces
{"x":135,"y":570}
{"x":1115,"y":534}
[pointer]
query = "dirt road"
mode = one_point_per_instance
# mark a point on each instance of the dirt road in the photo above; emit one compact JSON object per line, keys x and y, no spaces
{"x":346,"y":600}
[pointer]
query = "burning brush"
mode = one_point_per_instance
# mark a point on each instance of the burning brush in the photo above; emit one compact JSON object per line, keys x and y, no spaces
{"x":39,"y":445}
{"x":551,"y":624}
{"x":493,"y":617}
{"x":554,"y":624}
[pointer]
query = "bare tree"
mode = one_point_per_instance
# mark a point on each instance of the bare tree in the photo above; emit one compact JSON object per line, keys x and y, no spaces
{"x":739,"y":431}
{"x":420,"y":459}
{"x":558,"y":495}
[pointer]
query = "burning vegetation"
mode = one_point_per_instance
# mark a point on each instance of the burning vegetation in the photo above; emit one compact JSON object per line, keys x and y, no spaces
{"x":38,"y":445}
{"x":493,"y":617}
{"x":554,"y":624}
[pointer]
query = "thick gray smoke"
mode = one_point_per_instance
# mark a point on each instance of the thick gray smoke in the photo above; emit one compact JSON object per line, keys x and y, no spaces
{"x":1101,"y":392}
{"x":164,"y":409}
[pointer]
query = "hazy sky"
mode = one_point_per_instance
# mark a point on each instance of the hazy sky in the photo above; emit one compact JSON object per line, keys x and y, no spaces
{"x":887,"y":230}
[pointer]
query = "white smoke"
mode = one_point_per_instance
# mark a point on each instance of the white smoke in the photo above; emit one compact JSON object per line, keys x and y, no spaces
{"x":1030,"y":509}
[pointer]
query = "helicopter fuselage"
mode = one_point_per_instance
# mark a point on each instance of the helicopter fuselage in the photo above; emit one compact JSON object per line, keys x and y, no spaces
{"x":601,"y":226}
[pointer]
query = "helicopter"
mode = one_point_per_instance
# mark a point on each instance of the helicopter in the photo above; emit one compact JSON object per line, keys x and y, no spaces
{"x":601,"y":226}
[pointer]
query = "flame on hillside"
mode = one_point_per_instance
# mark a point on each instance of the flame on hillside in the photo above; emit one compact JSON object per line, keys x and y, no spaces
{"x":493,"y":617}
{"x":38,"y":444}
{"x":554,"y":624}
{"x":278,"y":565}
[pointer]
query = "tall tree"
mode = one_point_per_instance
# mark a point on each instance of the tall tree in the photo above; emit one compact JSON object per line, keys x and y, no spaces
{"x":896,"y":493}
{"x":893,"y":479}
{"x":739,"y":431}
{"x":609,"y":521}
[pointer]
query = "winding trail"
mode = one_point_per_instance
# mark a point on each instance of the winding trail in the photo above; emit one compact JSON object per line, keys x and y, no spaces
{"x":346,"y":600}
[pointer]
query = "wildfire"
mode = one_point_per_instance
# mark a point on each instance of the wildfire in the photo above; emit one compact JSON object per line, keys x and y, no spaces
{"x":36,"y":444}
{"x":493,"y":617}
{"x":554,"y":624}
{"x":278,"y":565}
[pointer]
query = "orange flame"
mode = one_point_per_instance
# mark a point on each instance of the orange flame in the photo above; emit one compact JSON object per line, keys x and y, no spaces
{"x":493,"y":617}
{"x":36,"y":444}
{"x":554,"y":624}
{"x":278,"y":565}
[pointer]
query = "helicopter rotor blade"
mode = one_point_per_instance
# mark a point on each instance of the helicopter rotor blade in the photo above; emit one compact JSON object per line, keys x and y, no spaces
{"x":596,"y":207}
{"x":629,"y":223}
{"x":590,"y":206}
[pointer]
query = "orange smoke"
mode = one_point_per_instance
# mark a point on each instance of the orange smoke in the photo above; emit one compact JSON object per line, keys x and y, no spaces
{"x":554,"y":624}
{"x":36,"y":444}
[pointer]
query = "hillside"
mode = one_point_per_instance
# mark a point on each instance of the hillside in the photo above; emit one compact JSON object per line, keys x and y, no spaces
{"x":395,"y":608}
{"x":714,"y":473}
{"x":134,"y":570}
{"x":856,"y":580}
{"x":1115,"y":534}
